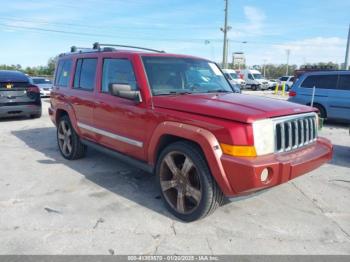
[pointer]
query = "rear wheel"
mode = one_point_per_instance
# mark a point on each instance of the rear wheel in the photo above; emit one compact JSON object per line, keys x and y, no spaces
{"x":187,"y":186}
{"x":322,"y":112}
{"x":68,"y":141}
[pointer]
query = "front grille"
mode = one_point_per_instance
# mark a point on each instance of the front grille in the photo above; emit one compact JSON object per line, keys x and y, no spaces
{"x":295,"y":132}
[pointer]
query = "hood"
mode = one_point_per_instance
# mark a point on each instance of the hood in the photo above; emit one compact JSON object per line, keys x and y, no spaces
{"x":237,"y":107}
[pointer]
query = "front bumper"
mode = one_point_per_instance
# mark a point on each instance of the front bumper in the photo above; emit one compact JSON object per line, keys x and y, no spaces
{"x":244,"y":173}
{"x":20,"y":110}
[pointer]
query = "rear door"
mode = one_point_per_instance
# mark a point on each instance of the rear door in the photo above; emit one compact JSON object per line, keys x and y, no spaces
{"x":82,"y":98}
{"x":339,"y":98}
{"x":15,"y":89}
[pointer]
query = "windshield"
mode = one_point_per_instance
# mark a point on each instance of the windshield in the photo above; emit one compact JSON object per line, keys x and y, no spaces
{"x":234,"y":75}
{"x":41,"y":81}
{"x":257,"y":76}
{"x":171,"y":75}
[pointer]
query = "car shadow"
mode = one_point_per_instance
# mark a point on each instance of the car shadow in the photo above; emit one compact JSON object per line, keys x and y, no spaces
{"x":15,"y":118}
{"x":103,"y":170}
{"x":341,"y":156}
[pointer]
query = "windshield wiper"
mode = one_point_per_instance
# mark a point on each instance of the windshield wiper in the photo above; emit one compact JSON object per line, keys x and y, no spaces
{"x":180,"y":93}
{"x":219,"y":91}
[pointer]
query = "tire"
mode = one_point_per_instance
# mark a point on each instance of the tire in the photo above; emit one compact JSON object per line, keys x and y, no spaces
{"x":194,"y":192}
{"x":68,"y":140}
{"x":35,"y":116}
{"x":254,"y":88}
{"x":322,"y":112}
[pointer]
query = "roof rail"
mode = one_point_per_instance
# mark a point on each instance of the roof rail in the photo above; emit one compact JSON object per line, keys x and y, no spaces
{"x":74,"y":49}
{"x":98,"y":47}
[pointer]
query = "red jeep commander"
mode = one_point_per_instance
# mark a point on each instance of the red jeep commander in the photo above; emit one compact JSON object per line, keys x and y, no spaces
{"x":178,"y":117}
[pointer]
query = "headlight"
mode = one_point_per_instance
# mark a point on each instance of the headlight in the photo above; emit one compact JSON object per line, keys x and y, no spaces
{"x":264,"y":137}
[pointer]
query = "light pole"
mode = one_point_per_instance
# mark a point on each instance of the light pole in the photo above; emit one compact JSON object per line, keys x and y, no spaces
{"x":264,"y":68}
{"x":346,"y":62}
{"x":225,"y":29}
{"x":207,"y":42}
{"x":288,"y":53}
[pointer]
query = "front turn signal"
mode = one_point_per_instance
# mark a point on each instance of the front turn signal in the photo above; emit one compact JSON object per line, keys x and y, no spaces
{"x":238,"y":150}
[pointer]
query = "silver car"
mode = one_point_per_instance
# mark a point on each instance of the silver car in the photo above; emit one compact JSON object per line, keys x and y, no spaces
{"x":44,"y":84}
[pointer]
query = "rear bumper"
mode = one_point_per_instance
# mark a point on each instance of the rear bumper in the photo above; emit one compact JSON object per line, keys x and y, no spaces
{"x":45,"y":93}
{"x":20,"y":110}
{"x":244,"y":173}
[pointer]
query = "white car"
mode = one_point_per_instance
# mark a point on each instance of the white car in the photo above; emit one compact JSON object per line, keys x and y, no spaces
{"x":233,"y":77}
{"x":254,"y":79}
{"x":272,"y":83}
{"x":44,"y":84}
{"x":288,"y":80}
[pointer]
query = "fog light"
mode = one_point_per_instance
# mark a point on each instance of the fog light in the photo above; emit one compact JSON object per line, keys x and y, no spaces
{"x":264,"y":176}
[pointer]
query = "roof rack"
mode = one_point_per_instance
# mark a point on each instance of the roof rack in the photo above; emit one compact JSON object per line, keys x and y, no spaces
{"x":74,"y":49}
{"x":98,"y":47}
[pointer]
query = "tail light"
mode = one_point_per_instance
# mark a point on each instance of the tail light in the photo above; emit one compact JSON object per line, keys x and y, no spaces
{"x":33,"y":89}
{"x":292,"y":93}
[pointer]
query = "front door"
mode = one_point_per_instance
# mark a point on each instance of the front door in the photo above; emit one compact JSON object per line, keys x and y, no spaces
{"x":120,"y":123}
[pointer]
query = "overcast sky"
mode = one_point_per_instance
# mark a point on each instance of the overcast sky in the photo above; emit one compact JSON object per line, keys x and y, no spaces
{"x":314,"y":30}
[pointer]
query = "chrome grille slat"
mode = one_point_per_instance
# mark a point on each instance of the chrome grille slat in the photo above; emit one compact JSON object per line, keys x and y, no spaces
{"x":306,"y":131}
{"x":302,"y":132}
{"x":289,"y":124}
{"x":294,"y":132}
{"x":283,"y":138}
{"x":296,"y":123}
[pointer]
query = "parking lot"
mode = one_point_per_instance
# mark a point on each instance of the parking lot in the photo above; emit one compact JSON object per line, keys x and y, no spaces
{"x":98,"y":205}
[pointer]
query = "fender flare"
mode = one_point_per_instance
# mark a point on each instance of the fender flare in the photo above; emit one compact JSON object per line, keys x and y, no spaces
{"x":71,"y":114}
{"x":204,"y":138}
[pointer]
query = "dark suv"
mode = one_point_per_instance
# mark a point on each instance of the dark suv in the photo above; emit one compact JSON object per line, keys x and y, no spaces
{"x":18,"y":96}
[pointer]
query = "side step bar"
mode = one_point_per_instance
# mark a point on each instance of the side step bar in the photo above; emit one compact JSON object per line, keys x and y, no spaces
{"x":129,"y":160}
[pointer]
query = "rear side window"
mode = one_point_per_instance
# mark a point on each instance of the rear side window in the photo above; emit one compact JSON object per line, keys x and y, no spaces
{"x":85,"y":74}
{"x":320,"y":81}
{"x":344,"y":82}
{"x":117,"y":71}
{"x":63,"y":73}
{"x":284,"y":78}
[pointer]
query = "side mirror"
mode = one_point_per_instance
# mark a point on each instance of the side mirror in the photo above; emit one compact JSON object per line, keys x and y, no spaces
{"x":124,"y":91}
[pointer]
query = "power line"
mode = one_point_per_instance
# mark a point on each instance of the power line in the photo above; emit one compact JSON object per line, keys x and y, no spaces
{"x":118,"y":36}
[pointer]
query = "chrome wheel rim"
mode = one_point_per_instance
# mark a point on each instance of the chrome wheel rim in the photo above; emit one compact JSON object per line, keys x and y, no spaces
{"x":64,"y":136}
{"x":180,"y":183}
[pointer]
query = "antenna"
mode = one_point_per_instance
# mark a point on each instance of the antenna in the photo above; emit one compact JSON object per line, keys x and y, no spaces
{"x":98,"y":47}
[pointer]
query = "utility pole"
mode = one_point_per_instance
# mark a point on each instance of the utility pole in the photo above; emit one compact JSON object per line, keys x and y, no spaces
{"x":225,"y":30}
{"x":287,"y":68}
{"x":264,"y":68}
{"x":346,"y":62}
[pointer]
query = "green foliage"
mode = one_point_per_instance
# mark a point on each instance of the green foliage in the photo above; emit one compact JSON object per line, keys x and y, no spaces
{"x":47,"y":70}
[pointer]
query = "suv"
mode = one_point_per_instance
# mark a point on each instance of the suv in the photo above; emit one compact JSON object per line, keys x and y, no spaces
{"x":332,"y":93}
{"x":178,"y":117}
{"x":18,"y":96}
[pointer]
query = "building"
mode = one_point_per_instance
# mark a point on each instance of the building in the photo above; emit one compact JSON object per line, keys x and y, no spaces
{"x":238,"y":60}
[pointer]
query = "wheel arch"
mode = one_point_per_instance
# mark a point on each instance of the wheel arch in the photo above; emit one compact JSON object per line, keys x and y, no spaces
{"x":170,"y":132}
{"x":320,"y":105}
{"x":67,"y":110}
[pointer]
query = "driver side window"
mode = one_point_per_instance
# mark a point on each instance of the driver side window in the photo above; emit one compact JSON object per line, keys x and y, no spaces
{"x":117,"y":71}
{"x":250,"y":76}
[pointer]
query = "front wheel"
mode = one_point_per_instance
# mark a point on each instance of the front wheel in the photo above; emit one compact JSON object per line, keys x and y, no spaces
{"x":68,"y":140}
{"x":186,"y":184}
